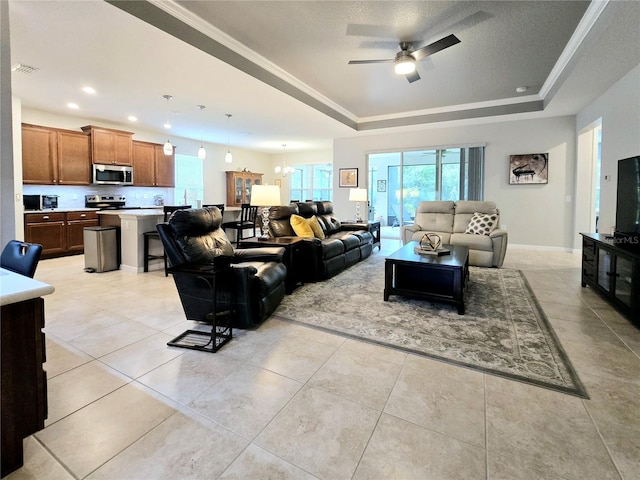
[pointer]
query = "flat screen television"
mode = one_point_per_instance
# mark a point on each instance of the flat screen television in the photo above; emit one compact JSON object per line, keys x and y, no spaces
{"x":627,"y":230}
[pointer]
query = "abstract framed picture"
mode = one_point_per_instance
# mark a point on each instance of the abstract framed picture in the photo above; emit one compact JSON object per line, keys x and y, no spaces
{"x":530,"y":168}
{"x":348,"y":177}
{"x":382,"y":186}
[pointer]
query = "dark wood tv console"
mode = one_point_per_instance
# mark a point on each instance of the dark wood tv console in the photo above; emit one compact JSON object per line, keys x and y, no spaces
{"x":613,"y":272}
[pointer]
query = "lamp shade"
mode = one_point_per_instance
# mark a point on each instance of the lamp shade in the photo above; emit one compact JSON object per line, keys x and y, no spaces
{"x":265,"y":195}
{"x":358,"y":195}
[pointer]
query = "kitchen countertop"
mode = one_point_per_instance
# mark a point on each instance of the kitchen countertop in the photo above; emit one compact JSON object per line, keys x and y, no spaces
{"x":16,"y":288}
{"x":134,"y":212}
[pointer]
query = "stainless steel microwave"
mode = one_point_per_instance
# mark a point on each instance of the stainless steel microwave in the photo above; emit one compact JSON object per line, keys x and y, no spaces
{"x":112,"y":175}
{"x":40,"y":202}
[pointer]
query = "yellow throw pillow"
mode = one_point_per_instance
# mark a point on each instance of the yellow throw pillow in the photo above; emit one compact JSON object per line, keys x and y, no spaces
{"x":315,"y":226}
{"x":301,"y":226}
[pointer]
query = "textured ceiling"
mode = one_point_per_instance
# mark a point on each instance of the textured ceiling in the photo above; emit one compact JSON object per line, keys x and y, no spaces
{"x":503,"y":45}
{"x":281,"y":68}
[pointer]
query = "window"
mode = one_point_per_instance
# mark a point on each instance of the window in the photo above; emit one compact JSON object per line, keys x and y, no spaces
{"x":189,"y":180}
{"x":417,"y":175}
{"x":312,"y":182}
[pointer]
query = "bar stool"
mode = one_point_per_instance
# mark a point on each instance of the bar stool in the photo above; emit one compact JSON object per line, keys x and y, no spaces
{"x":153,"y":235}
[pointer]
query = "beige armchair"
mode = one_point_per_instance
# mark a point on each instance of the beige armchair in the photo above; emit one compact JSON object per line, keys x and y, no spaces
{"x":451,"y":220}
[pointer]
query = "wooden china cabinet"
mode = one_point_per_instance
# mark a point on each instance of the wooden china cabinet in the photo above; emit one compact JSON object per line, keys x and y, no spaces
{"x":239,"y":187}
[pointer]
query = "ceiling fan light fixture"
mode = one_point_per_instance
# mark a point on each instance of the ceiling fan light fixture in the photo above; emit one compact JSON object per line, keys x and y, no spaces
{"x":405,"y":63}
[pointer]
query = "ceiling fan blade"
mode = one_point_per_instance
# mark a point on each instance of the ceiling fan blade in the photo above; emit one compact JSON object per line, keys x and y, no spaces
{"x":435,"y":47}
{"x":360,"y":62}
{"x":412,"y":77}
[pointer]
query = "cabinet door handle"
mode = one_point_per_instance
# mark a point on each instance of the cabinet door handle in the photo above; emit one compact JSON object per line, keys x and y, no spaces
{"x":83,"y":215}
{"x":46,"y":217}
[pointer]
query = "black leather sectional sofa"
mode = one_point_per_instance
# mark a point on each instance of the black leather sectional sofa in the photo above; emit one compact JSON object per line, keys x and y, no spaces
{"x":345,"y":244}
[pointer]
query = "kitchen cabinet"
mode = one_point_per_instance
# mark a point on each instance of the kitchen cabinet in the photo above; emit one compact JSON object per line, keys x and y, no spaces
{"x":612,"y":271}
{"x":74,"y":161}
{"x":39,"y":155}
{"x":109,"y":146}
{"x":59,"y":233}
{"x":239,"y":187}
{"x":151,"y":167}
{"x":76,"y":223}
{"x":52,"y":156}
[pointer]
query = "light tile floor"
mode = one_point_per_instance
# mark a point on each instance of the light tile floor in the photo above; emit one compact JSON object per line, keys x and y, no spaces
{"x":285,"y":401}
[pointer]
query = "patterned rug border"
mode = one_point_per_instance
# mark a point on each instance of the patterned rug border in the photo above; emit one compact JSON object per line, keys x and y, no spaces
{"x":579,"y":390}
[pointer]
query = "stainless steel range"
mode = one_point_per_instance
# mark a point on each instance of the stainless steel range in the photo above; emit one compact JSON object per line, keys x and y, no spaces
{"x":105,"y":202}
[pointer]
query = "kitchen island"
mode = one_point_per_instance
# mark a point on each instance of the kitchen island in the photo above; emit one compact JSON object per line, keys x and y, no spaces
{"x":24,"y":381}
{"x":133,"y":223}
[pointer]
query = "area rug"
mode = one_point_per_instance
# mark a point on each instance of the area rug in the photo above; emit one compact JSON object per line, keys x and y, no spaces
{"x":503,"y":331}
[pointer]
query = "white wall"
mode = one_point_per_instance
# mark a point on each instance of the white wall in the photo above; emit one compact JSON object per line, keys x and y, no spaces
{"x":538,"y":215}
{"x":619,"y":108}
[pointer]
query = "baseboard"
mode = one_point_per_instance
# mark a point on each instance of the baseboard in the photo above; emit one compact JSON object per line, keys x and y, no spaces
{"x":542,"y":248}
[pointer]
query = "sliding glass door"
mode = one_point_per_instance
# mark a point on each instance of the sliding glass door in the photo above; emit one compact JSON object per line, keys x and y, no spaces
{"x":398,"y":181}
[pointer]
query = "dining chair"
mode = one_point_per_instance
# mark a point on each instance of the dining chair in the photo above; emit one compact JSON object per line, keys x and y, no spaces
{"x":247,"y":221}
{"x":21,"y":257}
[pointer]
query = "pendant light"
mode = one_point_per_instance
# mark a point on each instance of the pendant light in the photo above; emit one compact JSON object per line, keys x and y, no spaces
{"x":228,"y":158}
{"x":283,"y":169}
{"x":168,"y":148}
{"x":202,"y":153}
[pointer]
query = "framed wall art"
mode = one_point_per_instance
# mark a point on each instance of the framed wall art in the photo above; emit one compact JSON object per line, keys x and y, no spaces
{"x":530,"y":168}
{"x":382,"y":186}
{"x":348,"y":177}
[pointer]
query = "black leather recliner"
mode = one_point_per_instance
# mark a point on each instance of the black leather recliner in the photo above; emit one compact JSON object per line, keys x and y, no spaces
{"x":252,"y":280}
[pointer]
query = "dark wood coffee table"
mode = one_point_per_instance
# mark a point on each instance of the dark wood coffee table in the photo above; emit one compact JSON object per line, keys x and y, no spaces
{"x":442,"y":278}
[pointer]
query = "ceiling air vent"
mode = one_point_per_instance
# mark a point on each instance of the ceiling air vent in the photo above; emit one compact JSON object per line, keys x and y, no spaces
{"x":22,"y":68}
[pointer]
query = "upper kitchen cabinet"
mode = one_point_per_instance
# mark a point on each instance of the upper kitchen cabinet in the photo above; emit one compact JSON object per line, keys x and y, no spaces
{"x":39,"y":155}
{"x":151,"y":167}
{"x":55,"y":157}
{"x":74,"y":158}
{"x":109,"y":146}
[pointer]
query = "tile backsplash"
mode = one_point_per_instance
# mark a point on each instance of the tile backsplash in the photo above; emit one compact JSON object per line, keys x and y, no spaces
{"x":73,"y":196}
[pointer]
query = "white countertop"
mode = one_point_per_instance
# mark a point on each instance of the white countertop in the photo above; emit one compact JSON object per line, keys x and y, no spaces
{"x":134,"y":212}
{"x":16,"y":288}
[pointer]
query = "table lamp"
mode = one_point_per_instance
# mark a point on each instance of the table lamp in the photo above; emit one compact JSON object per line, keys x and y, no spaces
{"x":358,"y":195}
{"x":265,"y":196}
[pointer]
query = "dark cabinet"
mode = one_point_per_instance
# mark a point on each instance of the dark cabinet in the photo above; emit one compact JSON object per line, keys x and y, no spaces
{"x":59,"y":233}
{"x":24,"y":380}
{"x":613,"y":272}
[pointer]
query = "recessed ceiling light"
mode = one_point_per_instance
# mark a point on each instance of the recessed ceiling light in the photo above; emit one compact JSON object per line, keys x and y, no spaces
{"x":132,"y":118}
{"x":73,"y":106}
{"x":89,"y":90}
{"x":521,"y":89}
{"x":167,"y":125}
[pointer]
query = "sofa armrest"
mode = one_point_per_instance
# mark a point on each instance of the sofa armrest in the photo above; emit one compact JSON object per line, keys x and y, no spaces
{"x":259,"y":254}
{"x":408,"y":231}
{"x":354,"y":226}
{"x":499,"y":238}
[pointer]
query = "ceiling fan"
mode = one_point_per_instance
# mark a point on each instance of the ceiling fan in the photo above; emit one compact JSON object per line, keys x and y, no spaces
{"x":406,"y":58}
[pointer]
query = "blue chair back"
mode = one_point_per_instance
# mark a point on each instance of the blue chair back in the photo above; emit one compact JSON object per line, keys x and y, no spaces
{"x":21,"y":257}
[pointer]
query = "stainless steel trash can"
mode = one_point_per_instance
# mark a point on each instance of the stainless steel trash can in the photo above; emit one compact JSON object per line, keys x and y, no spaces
{"x":100,"y":249}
